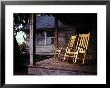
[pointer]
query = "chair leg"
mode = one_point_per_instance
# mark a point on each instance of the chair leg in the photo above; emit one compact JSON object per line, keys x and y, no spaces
{"x":59,"y":56}
{"x":75,"y":60}
{"x":84,"y":59}
{"x":64,"y":58}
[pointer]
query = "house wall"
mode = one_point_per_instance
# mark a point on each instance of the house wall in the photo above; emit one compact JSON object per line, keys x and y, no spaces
{"x":63,"y":37}
{"x":45,"y":50}
{"x":49,"y":49}
{"x":92,"y":47}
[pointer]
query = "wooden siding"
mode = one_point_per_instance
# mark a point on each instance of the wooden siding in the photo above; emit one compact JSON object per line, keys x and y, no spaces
{"x":49,"y":49}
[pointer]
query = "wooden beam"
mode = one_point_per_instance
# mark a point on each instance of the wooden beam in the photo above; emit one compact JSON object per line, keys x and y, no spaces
{"x":34,"y":34}
{"x":31,"y":39}
{"x":56,"y":35}
{"x":56,"y":32}
{"x":45,"y":34}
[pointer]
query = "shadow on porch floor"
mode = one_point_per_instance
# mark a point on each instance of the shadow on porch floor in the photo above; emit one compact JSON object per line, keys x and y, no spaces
{"x":58,"y":67}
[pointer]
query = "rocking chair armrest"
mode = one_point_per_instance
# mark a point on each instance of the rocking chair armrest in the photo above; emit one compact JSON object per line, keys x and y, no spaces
{"x":74,"y":52}
{"x":82,"y":47}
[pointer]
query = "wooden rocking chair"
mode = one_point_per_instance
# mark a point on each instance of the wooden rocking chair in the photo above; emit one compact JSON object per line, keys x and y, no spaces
{"x":79,"y":48}
{"x":58,"y":51}
{"x":83,"y":40}
{"x":71,"y":46}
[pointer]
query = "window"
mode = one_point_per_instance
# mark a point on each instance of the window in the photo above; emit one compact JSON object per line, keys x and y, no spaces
{"x":45,"y":38}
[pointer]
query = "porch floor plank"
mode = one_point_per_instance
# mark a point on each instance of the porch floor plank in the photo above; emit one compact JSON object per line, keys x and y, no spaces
{"x":54,"y":66}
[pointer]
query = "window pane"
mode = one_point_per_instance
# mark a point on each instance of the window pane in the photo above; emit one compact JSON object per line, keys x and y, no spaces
{"x":50,"y":41}
{"x":40,"y":38}
{"x":50,"y":38}
{"x":50,"y":33}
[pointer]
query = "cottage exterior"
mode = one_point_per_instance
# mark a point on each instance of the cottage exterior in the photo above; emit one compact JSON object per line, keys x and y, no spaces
{"x":45,"y":41}
{"x":46,"y":32}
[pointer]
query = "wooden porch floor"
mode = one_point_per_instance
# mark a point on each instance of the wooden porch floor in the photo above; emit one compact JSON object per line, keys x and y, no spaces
{"x":54,"y":66}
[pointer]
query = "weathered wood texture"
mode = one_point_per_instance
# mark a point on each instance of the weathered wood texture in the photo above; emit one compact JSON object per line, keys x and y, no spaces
{"x":57,"y":67}
{"x":49,"y":49}
{"x":31,"y":40}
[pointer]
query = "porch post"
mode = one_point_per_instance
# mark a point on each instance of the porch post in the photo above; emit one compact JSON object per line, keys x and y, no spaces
{"x":56,"y":35}
{"x":45,"y":34}
{"x":31,"y":39}
{"x":56,"y":32}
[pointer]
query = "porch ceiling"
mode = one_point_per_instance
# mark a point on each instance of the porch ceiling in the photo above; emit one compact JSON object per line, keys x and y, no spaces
{"x":77,"y":18}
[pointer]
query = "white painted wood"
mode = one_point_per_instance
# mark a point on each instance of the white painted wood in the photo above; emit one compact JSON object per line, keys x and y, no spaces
{"x":45,"y":34}
{"x":31,"y":40}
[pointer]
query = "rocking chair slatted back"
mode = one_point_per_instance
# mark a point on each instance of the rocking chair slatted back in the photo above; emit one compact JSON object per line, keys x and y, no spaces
{"x":82,"y":44}
{"x":83,"y":40}
{"x":70,"y":48}
{"x":71,"y":44}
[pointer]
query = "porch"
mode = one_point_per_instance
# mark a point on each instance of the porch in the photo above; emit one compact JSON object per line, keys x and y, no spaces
{"x":54,"y":66}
